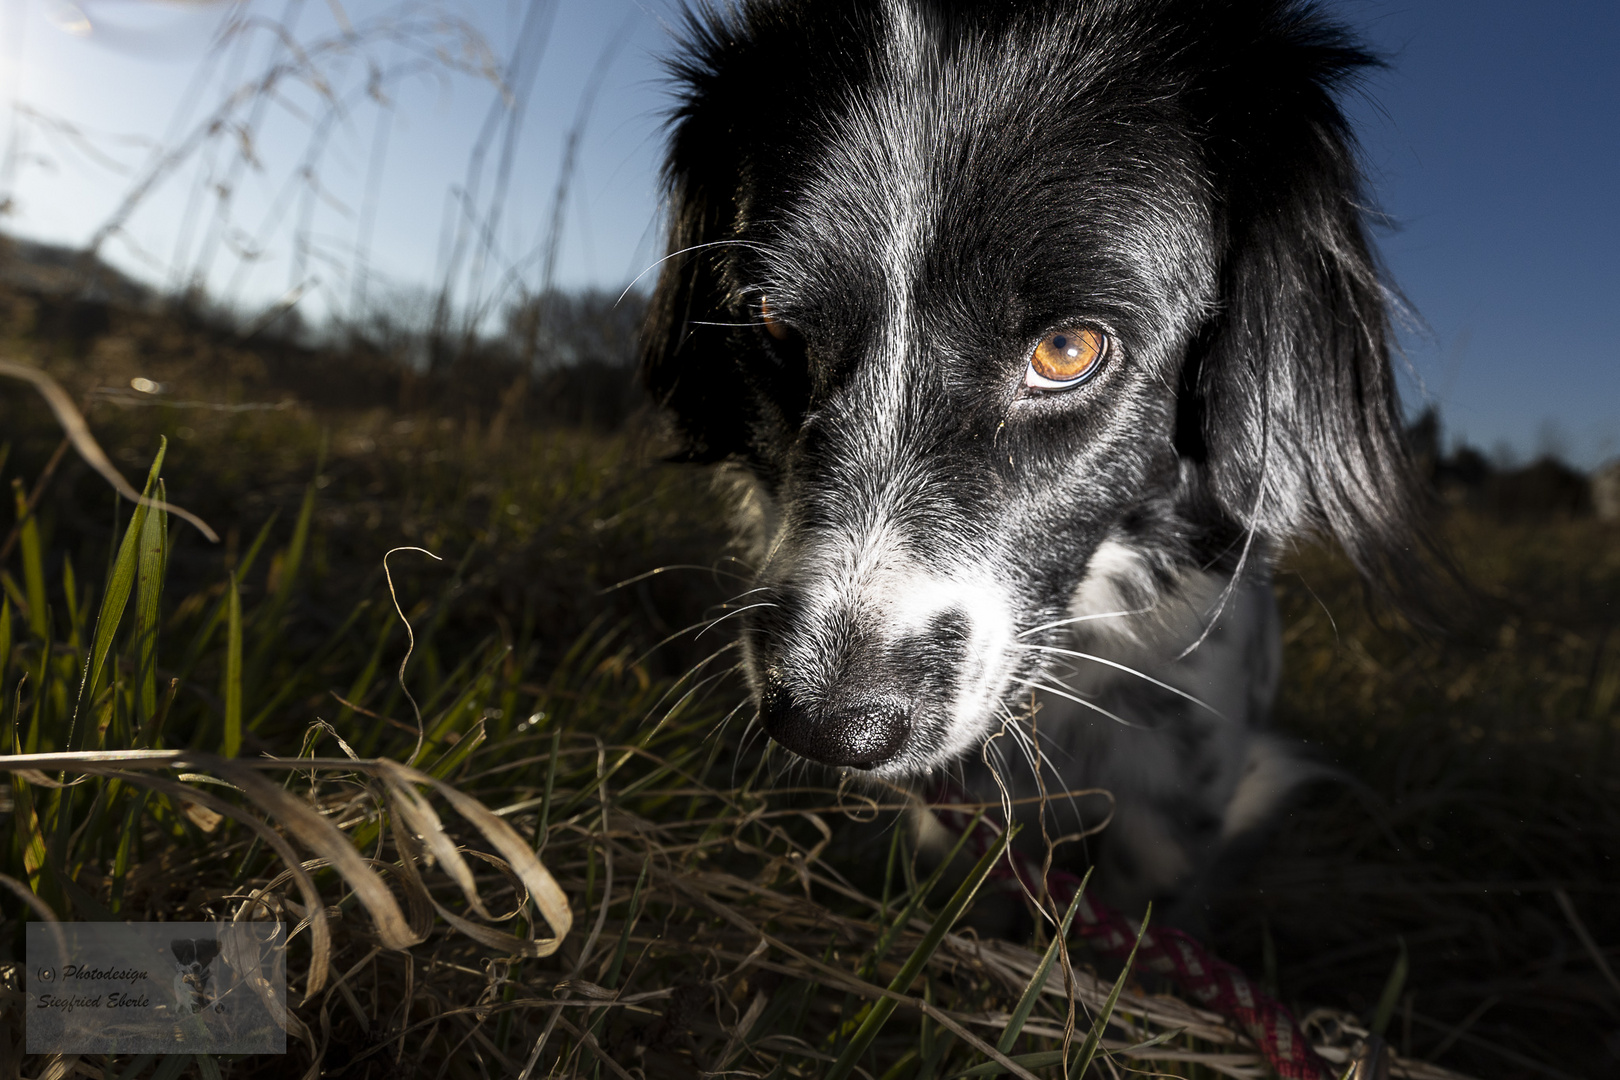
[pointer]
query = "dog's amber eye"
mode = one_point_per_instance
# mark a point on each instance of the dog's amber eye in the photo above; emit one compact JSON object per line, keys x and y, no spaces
{"x":1066,"y":358}
{"x":773,"y":325}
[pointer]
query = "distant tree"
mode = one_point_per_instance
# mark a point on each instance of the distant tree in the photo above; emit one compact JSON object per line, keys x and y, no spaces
{"x":568,"y":328}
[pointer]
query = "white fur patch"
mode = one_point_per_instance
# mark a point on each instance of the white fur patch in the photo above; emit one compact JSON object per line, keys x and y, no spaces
{"x":871,"y":578}
{"x":1272,"y":772}
{"x":1117,"y":592}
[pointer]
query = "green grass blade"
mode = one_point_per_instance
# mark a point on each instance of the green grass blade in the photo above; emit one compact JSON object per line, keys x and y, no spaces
{"x":1040,"y":1059}
{"x":115,"y":597}
{"x":297,"y":681}
{"x":542,"y":820}
{"x":455,"y":755}
{"x":286,"y":575}
{"x":5,"y":641}
{"x":1037,"y":982}
{"x":14,"y":591}
{"x":1088,"y":1049}
{"x":205,"y":633}
{"x":363,"y":682}
{"x":30,"y":837}
{"x":918,"y":896}
{"x":895,"y":852}
{"x":933,"y":1041}
{"x":901,"y":1067}
{"x":232,"y":690}
{"x":151,"y":560}
{"x":611,"y":981}
{"x":884,"y":1007}
{"x":299,"y":544}
{"x":33,"y":739}
{"x":1392,"y":991}
{"x":33,"y":565}
{"x":124,"y":856}
{"x":70,"y":593}
{"x":630,"y":916}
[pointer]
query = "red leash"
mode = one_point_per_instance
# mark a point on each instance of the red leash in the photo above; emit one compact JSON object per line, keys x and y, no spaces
{"x":1208,"y":980}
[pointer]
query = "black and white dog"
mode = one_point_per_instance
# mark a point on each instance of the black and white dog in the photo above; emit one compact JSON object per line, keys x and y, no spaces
{"x":1036,"y":327}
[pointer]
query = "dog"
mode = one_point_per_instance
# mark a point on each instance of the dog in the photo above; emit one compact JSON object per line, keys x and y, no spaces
{"x":1034,"y":330}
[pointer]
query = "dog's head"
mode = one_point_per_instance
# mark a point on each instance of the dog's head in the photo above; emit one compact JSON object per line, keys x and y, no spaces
{"x":1012,"y":310}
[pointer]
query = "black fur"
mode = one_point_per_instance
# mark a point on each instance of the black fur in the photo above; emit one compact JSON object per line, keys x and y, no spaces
{"x":921,"y":189}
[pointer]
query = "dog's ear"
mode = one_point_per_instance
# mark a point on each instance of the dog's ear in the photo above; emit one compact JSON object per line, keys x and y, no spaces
{"x":685,"y":364}
{"x":685,"y":359}
{"x":1288,"y":397}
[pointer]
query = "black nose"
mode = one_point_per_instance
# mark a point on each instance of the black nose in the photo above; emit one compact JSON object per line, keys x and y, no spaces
{"x":861,"y":735}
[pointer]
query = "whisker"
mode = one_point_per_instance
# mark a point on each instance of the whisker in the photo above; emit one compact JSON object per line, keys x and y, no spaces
{"x":1127,"y":670}
{"x":1093,"y":706}
{"x":725,"y":721}
{"x":683,"y":251}
{"x":682,"y":632}
{"x":739,"y":611}
{"x":1243,"y":558}
{"x":1083,"y":618}
{"x":1022,"y":740}
{"x":655,"y":571}
{"x":705,"y":624}
{"x":691,"y":693}
{"x":750,"y":730}
{"x":699,"y":665}
{"x":690,"y":672}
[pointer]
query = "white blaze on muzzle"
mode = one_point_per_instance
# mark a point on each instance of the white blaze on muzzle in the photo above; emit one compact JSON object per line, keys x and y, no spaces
{"x":873,"y":624}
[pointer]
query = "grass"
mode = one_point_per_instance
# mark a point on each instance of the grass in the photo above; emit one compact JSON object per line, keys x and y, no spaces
{"x":575,"y":743}
{"x":602,"y":777}
{"x":1480,"y":816}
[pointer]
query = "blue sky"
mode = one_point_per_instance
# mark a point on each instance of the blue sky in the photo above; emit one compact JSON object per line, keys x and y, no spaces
{"x":1493,"y":141}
